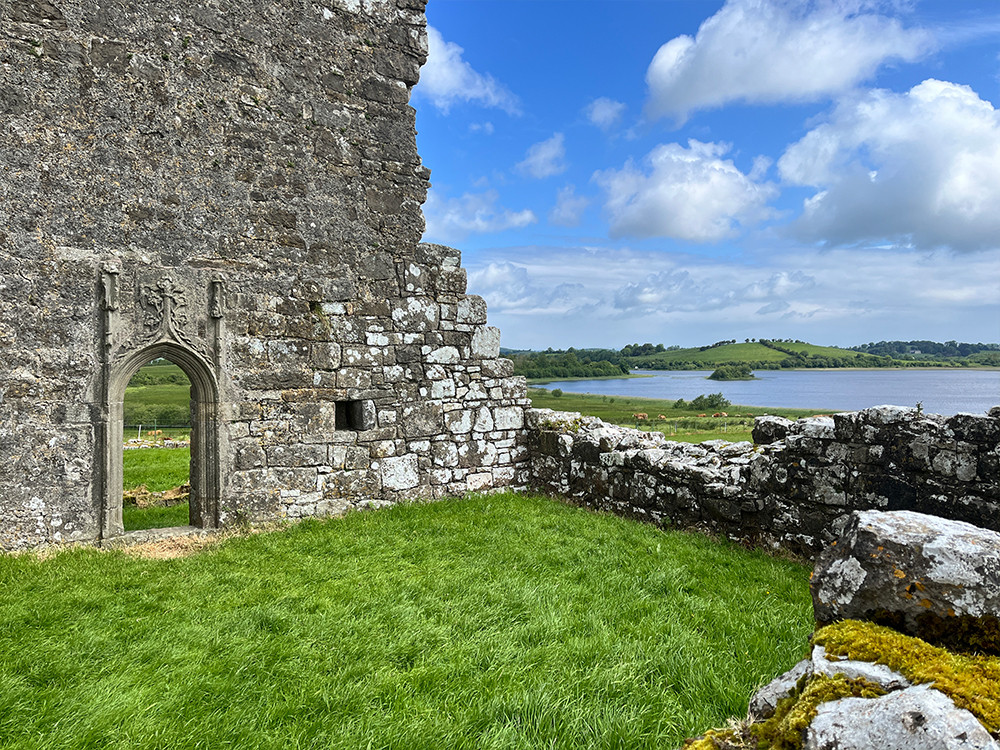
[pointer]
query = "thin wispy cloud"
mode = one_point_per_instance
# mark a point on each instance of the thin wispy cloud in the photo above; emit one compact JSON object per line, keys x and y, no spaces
{"x":569,"y":207}
{"x":605,"y":113}
{"x":453,"y":219}
{"x":545,"y":159}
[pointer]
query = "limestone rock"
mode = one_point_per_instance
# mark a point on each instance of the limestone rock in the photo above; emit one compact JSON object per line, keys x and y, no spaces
{"x":765,"y":700}
{"x":768,"y":429}
{"x":930,"y":577}
{"x":918,"y":718}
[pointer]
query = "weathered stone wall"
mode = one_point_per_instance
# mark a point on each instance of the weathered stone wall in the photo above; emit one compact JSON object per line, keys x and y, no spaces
{"x":237,"y":188}
{"x":794,"y":487}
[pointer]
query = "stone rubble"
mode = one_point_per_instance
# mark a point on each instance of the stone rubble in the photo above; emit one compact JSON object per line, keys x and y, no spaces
{"x":881,"y":545}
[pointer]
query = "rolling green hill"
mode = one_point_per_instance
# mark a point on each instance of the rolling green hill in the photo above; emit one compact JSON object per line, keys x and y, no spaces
{"x":758,"y":355}
{"x":159,"y":393}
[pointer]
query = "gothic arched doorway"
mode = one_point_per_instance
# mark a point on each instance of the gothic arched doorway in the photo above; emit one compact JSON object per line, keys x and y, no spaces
{"x":205,"y":468}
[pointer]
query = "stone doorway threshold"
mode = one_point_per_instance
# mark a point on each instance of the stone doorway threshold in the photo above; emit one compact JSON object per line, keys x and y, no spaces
{"x":150,"y":536}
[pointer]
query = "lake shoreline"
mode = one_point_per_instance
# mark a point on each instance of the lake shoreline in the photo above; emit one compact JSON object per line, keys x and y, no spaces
{"x":942,"y":391}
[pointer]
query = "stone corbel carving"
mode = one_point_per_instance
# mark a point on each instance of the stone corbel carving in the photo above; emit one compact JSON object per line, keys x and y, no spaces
{"x":108,"y":302}
{"x":165,"y":305}
{"x":217,"y":298}
{"x":109,"y":287}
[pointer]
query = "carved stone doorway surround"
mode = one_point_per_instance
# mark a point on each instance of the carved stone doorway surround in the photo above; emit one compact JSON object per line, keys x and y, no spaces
{"x":168,"y":334}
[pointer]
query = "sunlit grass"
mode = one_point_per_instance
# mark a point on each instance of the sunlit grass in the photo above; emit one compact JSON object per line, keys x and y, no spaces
{"x":157,"y":468}
{"x":496,"y":622}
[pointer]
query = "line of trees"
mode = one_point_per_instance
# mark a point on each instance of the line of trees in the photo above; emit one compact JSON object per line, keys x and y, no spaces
{"x":925,"y":349}
{"x":587,"y":363}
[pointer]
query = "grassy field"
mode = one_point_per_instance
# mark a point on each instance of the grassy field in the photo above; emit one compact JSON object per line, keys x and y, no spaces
{"x":159,"y":393}
{"x":157,"y":468}
{"x":496,"y":622}
{"x":680,"y":424}
{"x":745,"y":352}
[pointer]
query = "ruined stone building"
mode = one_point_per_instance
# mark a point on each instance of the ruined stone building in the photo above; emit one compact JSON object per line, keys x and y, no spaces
{"x":236,"y":188}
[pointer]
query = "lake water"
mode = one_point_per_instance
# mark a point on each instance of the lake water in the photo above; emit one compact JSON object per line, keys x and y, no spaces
{"x":941,"y":391}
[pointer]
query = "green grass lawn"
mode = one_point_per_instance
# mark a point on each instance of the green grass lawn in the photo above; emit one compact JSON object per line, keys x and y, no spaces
{"x":490,"y":622}
{"x":156,"y":517}
{"x":158,"y":469}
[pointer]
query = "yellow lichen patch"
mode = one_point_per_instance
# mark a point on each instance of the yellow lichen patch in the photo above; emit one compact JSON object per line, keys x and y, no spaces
{"x":898,"y":573}
{"x":972,"y":682}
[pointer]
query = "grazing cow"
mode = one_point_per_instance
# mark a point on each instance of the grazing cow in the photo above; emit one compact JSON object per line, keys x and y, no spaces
{"x":661,"y":418}
{"x":641,"y":415}
{"x":702,"y":415}
{"x":717,"y":414}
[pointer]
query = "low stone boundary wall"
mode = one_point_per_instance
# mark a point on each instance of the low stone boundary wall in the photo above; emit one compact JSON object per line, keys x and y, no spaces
{"x":793,"y":487}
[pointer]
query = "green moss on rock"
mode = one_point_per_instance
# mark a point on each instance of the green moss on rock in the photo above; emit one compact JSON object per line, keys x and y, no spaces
{"x":972,"y":682}
{"x":785,"y":730}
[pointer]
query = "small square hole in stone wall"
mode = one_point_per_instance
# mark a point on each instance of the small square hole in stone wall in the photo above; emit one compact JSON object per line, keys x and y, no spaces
{"x":350,"y":415}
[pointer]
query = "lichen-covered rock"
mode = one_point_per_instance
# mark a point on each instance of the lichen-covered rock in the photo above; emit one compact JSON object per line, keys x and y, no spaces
{"x":930,"y":577}
{"x":769,"y":429}
{"x":878,"y":674}
{"x":917,"y":718}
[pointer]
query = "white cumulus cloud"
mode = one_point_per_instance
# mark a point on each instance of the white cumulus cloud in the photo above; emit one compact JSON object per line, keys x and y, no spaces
{"x":688,"y":193}
{"x":569,"y":207}
{"x":446,"y":78}
{"x":452,"y":219}
{"x":604,"y":113}
{"x":545,"y":158}
{"x":919,"y":168}
{"x":777,"y":50}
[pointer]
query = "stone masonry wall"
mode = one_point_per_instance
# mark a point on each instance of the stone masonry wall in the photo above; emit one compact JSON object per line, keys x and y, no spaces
{"x":235,"y":187}
{"x":794,"y":487}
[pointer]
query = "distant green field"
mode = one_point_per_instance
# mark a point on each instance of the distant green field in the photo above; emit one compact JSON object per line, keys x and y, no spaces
{"x":746,"y":352}
{"x":158,"y":468}
{"x":159,"y":393}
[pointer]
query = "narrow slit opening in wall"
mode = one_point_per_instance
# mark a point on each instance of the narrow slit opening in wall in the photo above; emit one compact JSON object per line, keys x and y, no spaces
{"x":156,"y":459}
{"x":349,"y":415}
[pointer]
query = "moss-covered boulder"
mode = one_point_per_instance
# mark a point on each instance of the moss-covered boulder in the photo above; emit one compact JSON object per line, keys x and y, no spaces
{"x":866,"y":686}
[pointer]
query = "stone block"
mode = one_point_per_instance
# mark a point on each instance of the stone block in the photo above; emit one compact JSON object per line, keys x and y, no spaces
{"x":918,"y":718}
{"x":422,"y":419}
{"x":486,"y":343}
{"x":399,"y":472}
{"x":471,"y":310}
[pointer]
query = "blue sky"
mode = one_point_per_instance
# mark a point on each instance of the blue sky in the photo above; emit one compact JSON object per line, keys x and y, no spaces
{"x":682,"y":172}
